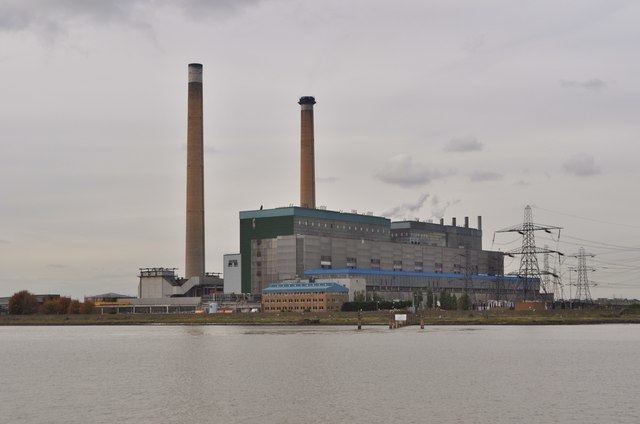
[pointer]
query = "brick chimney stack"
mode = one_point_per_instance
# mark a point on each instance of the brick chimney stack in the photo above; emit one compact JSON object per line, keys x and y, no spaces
{"x":307,"y":156}
{"x":194,"y":256}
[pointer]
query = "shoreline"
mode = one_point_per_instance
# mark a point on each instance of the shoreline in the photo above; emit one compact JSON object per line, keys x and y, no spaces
{"x":560,"y":317}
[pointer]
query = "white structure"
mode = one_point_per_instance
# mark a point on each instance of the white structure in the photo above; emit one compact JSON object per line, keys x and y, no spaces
{"x":157,"y":283}
{"x":232,"y":273}
{"x":356,"y":285}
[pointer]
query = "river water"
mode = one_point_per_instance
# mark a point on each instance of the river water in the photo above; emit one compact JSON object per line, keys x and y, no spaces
{"x":235,"y":374}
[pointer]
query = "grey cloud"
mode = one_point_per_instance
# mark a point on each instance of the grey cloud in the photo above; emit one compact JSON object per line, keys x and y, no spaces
{"x":463,"y":144}
{"x":4,"y":241}
{"x":403,"y":171}
{"x":203,"y":8}
{"x":582,"y":165}
{"x":522,"y":183}
{"x":210,"y":150}
{"x":475,"y":43}
{"x":57,"y":266}
{"x":53,"y":16}
{"x":480,"y":176}
{"x":594,"y":84}
{"x":406,"y":210}
{"x":327,"y":179}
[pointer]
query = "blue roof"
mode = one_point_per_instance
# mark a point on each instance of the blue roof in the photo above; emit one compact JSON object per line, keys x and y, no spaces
{"x":426,"y":275}
{"x":305,"y":288}
{"x":315,"y":213}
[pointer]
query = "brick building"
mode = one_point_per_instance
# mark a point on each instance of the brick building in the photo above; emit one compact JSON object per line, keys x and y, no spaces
{"x":300,"y":297}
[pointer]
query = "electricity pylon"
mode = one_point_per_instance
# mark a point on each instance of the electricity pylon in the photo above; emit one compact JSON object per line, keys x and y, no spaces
{"x":529,"y":267}
{"x":583,"y":291}
{"x":551,"y":276}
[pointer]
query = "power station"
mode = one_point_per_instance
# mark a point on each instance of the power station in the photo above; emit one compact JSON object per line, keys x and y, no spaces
{"x":159,"y":282}
{"x":391,"y":260}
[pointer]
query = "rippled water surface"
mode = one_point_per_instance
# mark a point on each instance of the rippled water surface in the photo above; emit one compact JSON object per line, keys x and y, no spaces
{"x":225,"y":374}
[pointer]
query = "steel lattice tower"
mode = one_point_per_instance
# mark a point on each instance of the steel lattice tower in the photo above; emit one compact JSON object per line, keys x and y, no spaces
{"x":583,"y":292}
{"x":550,"y":277}
{"x":529,"y":268}
{"x":546,"y":277}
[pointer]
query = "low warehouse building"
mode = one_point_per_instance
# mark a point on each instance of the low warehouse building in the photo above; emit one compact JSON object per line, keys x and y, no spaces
{"x":400,"y":285}
{"x":300,"y":297}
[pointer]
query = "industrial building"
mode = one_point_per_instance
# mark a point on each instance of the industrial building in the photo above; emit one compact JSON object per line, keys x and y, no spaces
{"x":163,"y":282}
{"x":161,"y":305}
{"x":160,"y":282}
{"x":389,"y":258}
{"x":300,"y":297}
{"x":400,"y":285}
{"x":287,"y":243}
{"x":232,"y":275}
{"x":393,"y":258}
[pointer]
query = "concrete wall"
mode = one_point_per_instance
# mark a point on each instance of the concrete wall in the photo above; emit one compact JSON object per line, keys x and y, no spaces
{"x":154,"y":287}
{"x":355,"y":285}
{"x":283,"y":257}
{"x":232,"y":273}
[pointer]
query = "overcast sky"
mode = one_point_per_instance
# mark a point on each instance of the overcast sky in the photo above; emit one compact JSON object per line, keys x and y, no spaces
{"x":424,"y":109}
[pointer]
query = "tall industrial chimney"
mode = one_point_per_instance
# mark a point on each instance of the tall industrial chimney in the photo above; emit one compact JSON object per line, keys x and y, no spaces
{"x":194,"y":258}
{"x":307,"y":156}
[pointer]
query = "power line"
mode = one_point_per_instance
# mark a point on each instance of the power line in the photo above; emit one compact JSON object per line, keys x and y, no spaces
{"x":607,"y":249}
{"x":583,"y":291}
{"x":529,"y":267}
{"x":587,"y":219}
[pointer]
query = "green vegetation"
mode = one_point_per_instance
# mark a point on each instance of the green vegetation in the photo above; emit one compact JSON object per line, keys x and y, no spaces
{"x":464,"y":303}
{"x":431,"y":317}
{"x":430,"y":299}
{"x":25,"y":303}
{"x":448,"y":302}
{"x":374,"y":305}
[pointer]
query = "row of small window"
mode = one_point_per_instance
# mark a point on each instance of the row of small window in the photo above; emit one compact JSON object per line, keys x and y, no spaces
{"x":292,"y":300}
{"x":296,"y":308}
{"x":416,"y":235}
{"x":343,"y":227}
{"x":353,"y":262}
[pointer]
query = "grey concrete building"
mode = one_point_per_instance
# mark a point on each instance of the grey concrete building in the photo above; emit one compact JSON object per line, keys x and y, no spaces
{"x":232,"y":263}
{"x":283,"y":243}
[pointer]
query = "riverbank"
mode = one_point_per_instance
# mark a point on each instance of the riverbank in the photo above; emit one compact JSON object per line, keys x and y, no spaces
{"x":495,"y":317}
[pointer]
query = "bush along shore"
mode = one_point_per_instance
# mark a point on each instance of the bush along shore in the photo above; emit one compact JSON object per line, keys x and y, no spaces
{"x":428,"y":317}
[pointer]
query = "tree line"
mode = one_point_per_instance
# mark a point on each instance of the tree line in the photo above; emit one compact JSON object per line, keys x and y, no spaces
{"x":26,"y":303}
{"x":442,"y":300}
{"x":447,"y":301}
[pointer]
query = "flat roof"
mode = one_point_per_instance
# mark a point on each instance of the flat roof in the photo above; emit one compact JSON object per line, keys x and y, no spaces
{"x":123,"y":296}
{"x":296,"y":211}
{"x":329,"y":287}
{"x":433,"y":227}
{"x":429,"y":275}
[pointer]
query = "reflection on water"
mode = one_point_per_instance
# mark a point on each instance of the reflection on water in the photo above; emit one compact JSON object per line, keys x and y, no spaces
{"x":318,"y":374}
